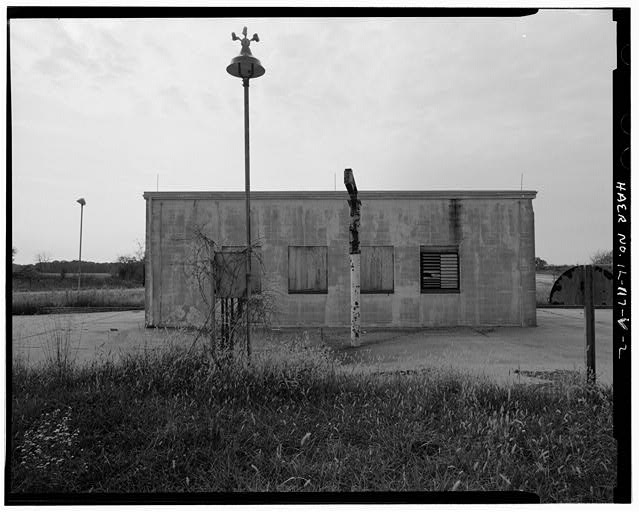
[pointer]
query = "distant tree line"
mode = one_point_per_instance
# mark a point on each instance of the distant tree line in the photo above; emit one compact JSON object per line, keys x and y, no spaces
{"x":130,"y":268}
{"x":601,"y":257}
{"x":45,"y":274}
{"x":127,"y":268}
{"x":71,"y":266}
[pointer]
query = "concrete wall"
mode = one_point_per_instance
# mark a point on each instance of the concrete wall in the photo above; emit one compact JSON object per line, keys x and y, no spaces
{"x":494,"y":231}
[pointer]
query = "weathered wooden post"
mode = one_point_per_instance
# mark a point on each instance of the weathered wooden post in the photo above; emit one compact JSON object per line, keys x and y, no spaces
{"x":354,"y":254}
{"x":589,"y":319}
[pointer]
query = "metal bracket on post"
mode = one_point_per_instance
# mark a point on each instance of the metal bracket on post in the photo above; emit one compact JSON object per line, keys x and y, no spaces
{"x":354,"y":254}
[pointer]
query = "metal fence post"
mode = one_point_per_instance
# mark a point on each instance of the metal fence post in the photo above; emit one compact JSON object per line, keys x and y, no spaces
{"x":589,"y":319}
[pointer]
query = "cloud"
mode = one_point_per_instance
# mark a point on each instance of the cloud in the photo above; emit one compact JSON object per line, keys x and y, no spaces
{"x":160,"y":49}
{"x":174,"y":99}
{"x":50,"y":67}
{"x":140,"y":103}
{"x":210,"y":101}
{"x":88,"y":51}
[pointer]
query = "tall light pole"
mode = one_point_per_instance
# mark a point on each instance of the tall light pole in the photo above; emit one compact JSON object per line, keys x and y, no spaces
{"x":246,"y":67}
{"x":82,"y":204}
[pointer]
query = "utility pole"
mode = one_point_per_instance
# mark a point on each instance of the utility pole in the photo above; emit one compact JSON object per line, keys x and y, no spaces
{"x":354,"y":254}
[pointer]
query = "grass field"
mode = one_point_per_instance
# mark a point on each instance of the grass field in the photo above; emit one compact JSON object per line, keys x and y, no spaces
{"x":52,"y":281}
{"x":37,"y":302}
{"x":295,"y":420}
{"x":544,"y":283}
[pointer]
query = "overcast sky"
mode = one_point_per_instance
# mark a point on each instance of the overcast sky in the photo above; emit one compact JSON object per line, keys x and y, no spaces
{"x":101,"y":107}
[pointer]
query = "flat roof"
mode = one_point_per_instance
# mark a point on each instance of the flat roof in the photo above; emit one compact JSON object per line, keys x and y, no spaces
{"x":339,"y":195}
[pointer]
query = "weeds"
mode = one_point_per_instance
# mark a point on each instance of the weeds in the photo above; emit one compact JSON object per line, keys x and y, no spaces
{"x":293,"y":420}
{"x":60,"y":350}
{"x":49,"y":450}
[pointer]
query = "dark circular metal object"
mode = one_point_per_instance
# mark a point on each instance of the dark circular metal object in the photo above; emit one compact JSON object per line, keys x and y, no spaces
{"x":568,"y":289}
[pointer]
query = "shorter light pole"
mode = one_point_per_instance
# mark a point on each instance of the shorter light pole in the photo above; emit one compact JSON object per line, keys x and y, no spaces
{"x":82,"y":204}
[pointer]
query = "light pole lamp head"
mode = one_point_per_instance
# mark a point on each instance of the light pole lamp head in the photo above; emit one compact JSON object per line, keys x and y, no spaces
{"x":82,"y":202}
{"x":245,"y":65}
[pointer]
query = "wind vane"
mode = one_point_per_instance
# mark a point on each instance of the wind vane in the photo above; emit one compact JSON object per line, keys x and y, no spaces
{"x":244,"y":41}
{"x":245,"y":65}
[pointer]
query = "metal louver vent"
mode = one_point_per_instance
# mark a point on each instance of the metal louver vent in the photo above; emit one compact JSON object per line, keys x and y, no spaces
{"x":439,"y":270}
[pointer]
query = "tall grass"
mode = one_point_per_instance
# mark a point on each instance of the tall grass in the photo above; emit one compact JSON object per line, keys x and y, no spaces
{"x":60,"y":349}
{"x":37,"y":302}
{"x":293,"y":420}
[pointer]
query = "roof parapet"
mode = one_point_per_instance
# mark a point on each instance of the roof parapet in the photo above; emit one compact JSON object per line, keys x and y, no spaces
{"x":341,"y":195}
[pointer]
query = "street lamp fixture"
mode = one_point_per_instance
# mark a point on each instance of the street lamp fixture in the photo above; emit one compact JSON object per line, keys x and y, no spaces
{"x":246,"y":67}
{"x":82,"y":204}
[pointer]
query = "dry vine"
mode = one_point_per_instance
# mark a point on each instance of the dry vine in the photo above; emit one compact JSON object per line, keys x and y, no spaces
{"x":219,"y":272}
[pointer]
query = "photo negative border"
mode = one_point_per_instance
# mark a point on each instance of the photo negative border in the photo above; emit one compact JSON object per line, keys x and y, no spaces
{"x":621,"y":188}
{"x":622,"y":253}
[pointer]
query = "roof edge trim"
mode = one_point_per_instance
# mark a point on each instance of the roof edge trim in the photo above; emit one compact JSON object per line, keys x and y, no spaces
{"x":339,"y":195}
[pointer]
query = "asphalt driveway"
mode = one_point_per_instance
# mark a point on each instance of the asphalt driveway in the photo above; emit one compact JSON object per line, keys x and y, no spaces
{"x":556,"y":343}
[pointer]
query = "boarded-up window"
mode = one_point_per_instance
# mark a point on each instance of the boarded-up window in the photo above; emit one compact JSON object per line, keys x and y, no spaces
{"x":439,"y":270}
{"x":376,"y":269}
{"x":308,"y":270}
{"x":230,"y":271}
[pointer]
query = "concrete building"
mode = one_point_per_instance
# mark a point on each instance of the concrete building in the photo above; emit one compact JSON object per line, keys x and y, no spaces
{"x":429,"y":258}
